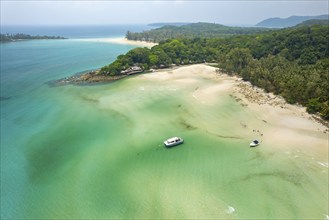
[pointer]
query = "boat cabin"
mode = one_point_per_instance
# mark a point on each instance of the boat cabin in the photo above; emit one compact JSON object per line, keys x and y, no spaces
{"x":173,"y":141}
{"x":254,"y":143}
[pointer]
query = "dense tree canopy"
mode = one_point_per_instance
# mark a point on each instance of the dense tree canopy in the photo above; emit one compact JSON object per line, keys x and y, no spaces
{"x":204,"y":30}
{"x":15,"y":37}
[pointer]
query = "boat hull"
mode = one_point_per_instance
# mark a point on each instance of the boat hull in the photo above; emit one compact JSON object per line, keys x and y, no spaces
{"x":255,"y":143}
{"x":169,"y":145}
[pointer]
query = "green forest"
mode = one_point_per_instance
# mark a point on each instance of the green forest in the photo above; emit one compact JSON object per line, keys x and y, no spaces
{"x":190,"y":31}
{"x":292,"y":62}
{"x":15,"y":37}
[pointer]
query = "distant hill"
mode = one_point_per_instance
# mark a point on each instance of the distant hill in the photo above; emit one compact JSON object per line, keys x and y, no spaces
{"x":168,"y":23}
{"x":288,"y":22}
{"x":193,"y":30}
{"x":313,"y":22}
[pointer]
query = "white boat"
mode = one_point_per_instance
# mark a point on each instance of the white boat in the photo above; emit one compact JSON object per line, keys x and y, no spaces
{"x":254,"y":143}
{"x":173,"y":141}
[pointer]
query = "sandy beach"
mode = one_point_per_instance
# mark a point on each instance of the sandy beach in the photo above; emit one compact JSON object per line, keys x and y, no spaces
{"x":277,"y":121}
{"x":288,"y":124}
{"x":130,"y":42}
{"x":121,"y":40}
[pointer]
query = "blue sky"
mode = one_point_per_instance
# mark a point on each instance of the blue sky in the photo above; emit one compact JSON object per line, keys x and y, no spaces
{"x":142,"y":12}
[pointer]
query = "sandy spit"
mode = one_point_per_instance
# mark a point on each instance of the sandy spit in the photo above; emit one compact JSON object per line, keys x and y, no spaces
{"x":120,"y":40}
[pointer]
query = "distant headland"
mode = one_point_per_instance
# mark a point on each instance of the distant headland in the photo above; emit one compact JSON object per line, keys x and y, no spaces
{"x":19,"y":36}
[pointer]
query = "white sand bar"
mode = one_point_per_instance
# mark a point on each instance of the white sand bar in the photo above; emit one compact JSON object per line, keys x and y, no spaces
{"x":120,"y":40}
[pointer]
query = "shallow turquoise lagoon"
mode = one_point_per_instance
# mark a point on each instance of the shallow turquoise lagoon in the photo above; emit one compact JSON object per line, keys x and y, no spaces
{"x":87,"y":152}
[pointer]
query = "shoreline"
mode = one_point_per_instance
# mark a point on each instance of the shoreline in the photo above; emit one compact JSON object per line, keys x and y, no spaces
{"x":251,"y":96}
{"x":130,"y":42}
{"x":264,"y":116}
{"x":85,"y":78}
{"x":243,"y":92}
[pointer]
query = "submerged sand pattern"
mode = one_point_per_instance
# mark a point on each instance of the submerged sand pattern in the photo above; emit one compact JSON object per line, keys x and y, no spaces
{"x":111,"y":162}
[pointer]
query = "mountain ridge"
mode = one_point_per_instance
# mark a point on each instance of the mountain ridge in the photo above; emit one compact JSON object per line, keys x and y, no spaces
{"x":277,"y":22}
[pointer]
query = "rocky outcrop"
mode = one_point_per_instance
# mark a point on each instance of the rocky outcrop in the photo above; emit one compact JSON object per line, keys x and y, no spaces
{"x":85,"y":78}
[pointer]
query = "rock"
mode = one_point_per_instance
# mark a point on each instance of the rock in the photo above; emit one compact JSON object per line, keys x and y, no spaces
{"x":85,"y":78}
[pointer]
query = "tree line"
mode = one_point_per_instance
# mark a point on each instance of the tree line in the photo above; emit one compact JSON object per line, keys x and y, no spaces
{"x":290,"y":62}
{"x":203,"y":30}
{"x":15,"y":37}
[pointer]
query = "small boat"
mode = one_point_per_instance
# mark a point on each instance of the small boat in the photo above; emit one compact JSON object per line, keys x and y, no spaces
{"x":173,"y":141}
{"x":254,"y":143}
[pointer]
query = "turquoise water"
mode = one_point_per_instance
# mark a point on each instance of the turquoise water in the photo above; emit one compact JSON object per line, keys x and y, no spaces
{"x":87,"y":152}
{"x":29,"y":106}
{"x":81,"y":31}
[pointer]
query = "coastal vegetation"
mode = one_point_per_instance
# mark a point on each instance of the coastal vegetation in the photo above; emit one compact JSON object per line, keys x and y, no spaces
{"x":313,"y":22}
{"x":190,"y":31}
{"x":291,"y":62}
{"x":16,"y":37}
{"x":161,"y":24}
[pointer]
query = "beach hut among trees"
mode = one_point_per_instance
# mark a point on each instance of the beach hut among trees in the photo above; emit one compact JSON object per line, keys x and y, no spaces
{"x":132,"y":70}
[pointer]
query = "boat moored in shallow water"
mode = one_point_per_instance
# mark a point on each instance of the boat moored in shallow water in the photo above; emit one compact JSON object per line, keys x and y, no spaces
{"x":173,"y":141}
{"x":254,"y":143}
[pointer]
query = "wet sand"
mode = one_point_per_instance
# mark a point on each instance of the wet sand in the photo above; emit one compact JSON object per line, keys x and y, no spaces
{"x":272,"y":109}
{"x":277,"y":121}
